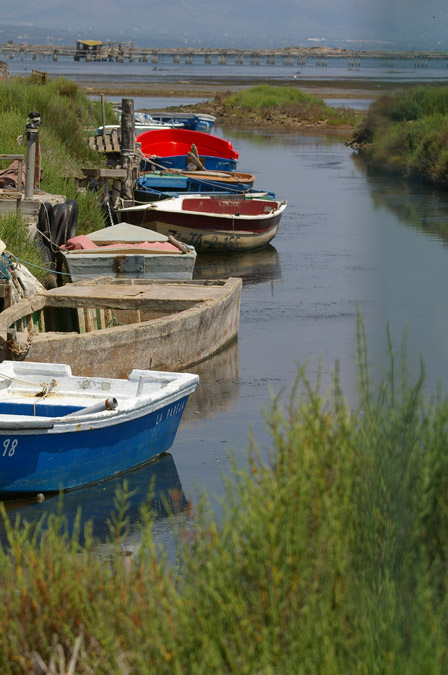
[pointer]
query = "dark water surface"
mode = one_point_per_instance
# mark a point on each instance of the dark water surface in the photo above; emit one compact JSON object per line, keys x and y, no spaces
{"x":348,"y":240}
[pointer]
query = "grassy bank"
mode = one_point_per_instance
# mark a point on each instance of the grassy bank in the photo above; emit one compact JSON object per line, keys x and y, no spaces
{"x":65,"y":113}
{"x":280,"y":107}
{"x":406,"y":133}
{"x":331,"y":557}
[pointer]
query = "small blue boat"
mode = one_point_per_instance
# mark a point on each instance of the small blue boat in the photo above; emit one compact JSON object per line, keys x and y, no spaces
{"x":60,"y":432}
{"x":155,"y":185}
{"x":192,"y":121}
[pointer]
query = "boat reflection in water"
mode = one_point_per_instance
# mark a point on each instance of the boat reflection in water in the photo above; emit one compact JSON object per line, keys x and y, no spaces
{"x":252,"y":267}
{"x":218,"y":387}
{"x":157,"y":480}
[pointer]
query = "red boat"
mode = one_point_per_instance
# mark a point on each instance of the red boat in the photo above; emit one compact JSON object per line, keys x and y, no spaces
{"x":181,"y":148}
{"x":211,"y":224}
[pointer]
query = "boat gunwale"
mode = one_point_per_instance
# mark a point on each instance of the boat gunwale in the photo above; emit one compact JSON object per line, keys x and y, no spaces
{"x":44,"y":299}
{"x":107,"y":418}
{"x":161,"y":206}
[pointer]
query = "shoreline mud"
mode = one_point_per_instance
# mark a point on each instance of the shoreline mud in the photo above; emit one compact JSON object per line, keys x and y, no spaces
{"x":209,"y":89}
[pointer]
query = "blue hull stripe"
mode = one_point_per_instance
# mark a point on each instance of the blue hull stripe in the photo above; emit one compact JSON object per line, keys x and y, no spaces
{"x":52,"y":461}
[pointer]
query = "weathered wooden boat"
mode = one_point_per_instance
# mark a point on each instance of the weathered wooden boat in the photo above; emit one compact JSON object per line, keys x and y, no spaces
{"x":182,"y":148}
{"x":60,"y":431}
{"x":127,"y":251}
{"x":107,"y":327}
{"x":211,"y":223}
{"x":193,"y":121}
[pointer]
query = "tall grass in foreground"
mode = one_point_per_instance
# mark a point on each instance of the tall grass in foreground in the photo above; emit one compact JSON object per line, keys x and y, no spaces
{"x":331,"y":557}
{"x":268,"y":101}
{"x":406,"y":133}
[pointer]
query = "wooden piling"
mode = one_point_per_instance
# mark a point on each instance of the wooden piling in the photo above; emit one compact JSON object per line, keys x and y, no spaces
{"x":127,"y":144}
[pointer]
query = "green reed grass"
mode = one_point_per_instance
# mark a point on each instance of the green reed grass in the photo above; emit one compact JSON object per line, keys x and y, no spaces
{"x":66,"y":113}
{"x":406,"y":133}
{"x":330,"y":556}
{"x":15,"y":233}
{"x":269,"y":101}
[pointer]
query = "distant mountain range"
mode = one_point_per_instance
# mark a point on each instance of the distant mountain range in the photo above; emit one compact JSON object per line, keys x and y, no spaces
{"x":251,"y":24}
{"x":42,"y":36}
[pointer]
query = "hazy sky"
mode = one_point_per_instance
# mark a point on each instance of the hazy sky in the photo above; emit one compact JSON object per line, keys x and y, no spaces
{"x":417,"y":23}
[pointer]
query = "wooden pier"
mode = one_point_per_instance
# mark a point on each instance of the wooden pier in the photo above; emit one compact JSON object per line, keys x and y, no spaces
{"x":292,"y":56}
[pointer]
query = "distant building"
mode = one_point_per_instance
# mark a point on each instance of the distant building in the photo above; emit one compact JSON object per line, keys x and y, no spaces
{"x":90,"y":50}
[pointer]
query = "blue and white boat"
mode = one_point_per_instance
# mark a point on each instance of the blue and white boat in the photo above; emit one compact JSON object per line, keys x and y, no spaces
{"x":60,"y":432}
{"x":192,"y":121}
{"x":155,"y":185}
{"x":142,"y":122}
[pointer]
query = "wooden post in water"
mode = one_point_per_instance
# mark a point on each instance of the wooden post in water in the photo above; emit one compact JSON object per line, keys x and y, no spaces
{"x":127,"y":144}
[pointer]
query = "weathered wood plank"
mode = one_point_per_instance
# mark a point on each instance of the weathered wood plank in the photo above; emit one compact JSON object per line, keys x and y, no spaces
{"x":23,"y":308}
{"x":116,"y":293}
{"x":107,"y":143}
{"x":115,"y":140}
{"x":104,"y":173}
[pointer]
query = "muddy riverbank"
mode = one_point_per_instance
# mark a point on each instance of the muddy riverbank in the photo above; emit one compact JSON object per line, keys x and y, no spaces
{"x":212,"y":92}
{"x":211,"y":88}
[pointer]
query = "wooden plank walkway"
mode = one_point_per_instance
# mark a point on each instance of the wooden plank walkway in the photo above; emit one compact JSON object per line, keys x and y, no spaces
{"x":109,"y":142}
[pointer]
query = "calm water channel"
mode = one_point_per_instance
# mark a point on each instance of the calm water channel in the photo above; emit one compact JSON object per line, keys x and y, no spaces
{"x":348,"y":240}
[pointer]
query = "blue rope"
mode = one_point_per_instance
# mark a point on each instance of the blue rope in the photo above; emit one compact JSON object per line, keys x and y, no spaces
{"x":5,"y":265}
{"x":46,"y":269}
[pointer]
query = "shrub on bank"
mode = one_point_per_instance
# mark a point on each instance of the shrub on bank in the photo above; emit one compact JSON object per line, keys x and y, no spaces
{"x":331,"y":557}
{"x":281,"y":105}
{"x":65,"y":112}
{"x":406,"y":133}
{"x":14,"y":232}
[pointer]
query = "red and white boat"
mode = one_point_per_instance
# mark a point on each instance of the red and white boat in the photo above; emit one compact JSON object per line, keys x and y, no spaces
{"x":212,"y":224}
